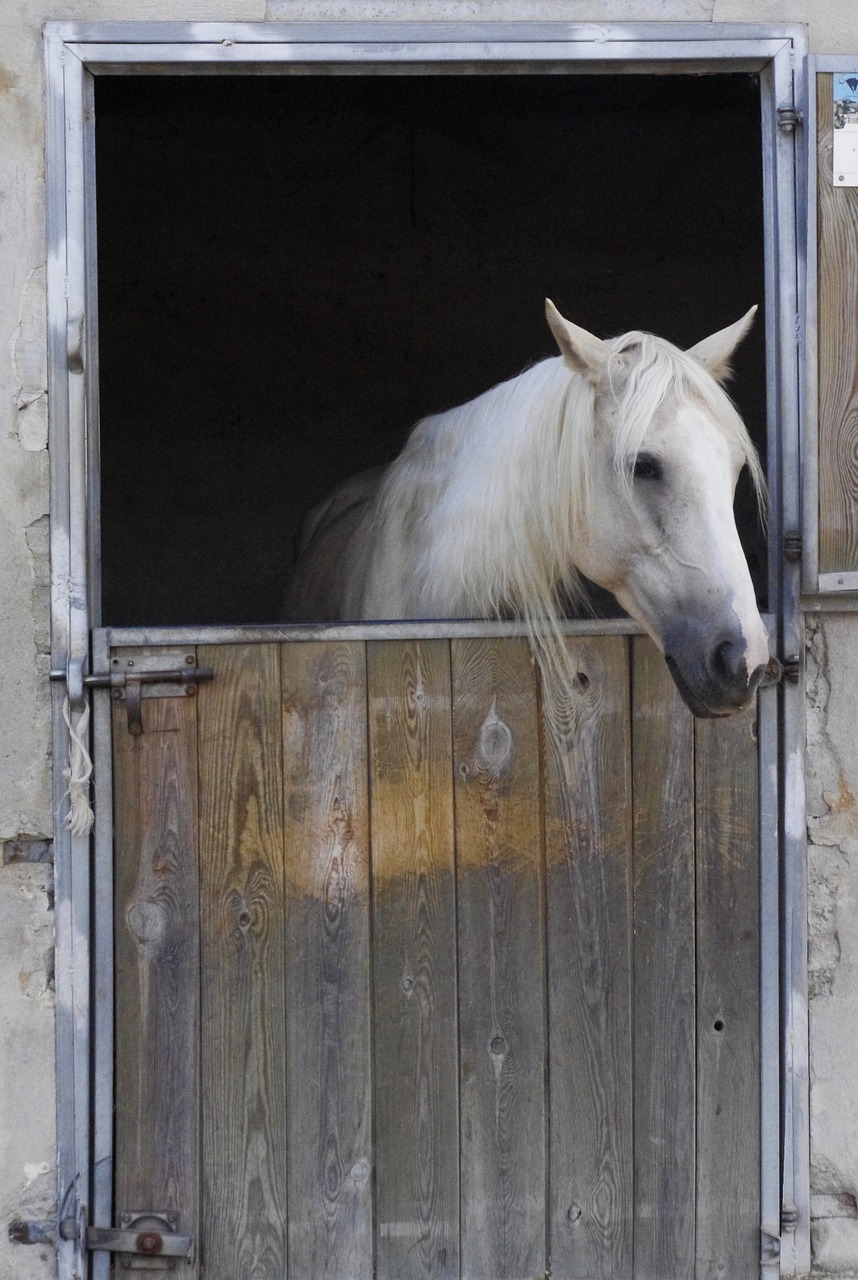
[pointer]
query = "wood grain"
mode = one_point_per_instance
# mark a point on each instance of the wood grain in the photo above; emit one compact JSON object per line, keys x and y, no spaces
{"x":664,"y":969}
{"x":328,"y":961}
{"x":728,"y":1010}
{"x":462,"y":1013}
{"x":243,"y":1104}
{"x":414,"y":961}
{"x":501,"y":959}
{"x":157,"y":964}
{"x":837,"y":210}
{"x":589,"y":889}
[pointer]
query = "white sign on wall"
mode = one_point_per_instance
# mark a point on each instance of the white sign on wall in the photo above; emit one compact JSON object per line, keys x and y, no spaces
{"x":846,"y":129}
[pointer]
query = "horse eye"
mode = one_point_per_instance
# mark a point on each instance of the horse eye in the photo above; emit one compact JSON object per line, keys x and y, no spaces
{"x":647,"y":467}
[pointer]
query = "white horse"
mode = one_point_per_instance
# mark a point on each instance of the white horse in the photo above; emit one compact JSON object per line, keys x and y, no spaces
{"x":616,"y":460}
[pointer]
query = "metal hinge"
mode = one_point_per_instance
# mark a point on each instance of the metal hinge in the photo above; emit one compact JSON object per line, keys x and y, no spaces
{"x":771,"y":1245}
{"x":146,"y":1241}
{"x":789,"y":118}
{"x":787,"y":669}
{"x":792,"y":546}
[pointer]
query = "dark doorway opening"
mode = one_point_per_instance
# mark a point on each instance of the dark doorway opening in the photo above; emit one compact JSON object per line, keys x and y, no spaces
{"x":293,"y":269}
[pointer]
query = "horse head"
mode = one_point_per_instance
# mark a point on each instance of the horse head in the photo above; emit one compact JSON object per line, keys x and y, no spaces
{"x":664,"y":456}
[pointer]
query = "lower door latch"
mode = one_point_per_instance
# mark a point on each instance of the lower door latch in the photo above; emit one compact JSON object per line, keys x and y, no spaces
{"x":145,"y":1241}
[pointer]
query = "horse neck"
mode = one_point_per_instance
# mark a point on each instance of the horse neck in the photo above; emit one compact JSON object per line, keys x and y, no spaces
{"x":466,"y":479}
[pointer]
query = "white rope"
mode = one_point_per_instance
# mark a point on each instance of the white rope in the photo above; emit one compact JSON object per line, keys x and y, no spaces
{"x":80,"y":817}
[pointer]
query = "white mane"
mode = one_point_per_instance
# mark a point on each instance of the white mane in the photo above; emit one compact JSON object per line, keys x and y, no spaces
{"x":522,"y":493}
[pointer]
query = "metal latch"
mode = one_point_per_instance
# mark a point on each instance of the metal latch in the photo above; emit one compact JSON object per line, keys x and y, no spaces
{"x":136,"y":674}
{"x":151,"y":673}
{"x":146,"y":1241}
{"x":156,"y":673}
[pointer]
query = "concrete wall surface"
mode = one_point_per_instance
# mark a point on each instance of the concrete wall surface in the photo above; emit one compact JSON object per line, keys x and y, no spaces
{"x":27,"y":1076}
{"x":832,"y":681}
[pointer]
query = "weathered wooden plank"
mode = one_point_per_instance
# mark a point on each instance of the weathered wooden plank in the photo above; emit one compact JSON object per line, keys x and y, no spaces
{"x":664,"y":969}
{"x":728,"y":1012}
{"x":328,"y":962}
{"x":243,"y":1102}
{"x":157,"y":963}
{"x":837,"y":210}
{"x":499,"y":859}
{"x":588,"y":839}
{"x":414,"y":961}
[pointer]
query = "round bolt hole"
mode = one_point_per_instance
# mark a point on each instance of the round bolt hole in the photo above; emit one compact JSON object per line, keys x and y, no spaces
{"x":718,"y":1024}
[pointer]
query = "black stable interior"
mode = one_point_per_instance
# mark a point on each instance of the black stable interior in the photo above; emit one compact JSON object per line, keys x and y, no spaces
{"x":294,"y":268}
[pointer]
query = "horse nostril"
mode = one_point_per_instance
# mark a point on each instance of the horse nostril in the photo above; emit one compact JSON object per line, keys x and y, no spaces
{"x":728,"y":661}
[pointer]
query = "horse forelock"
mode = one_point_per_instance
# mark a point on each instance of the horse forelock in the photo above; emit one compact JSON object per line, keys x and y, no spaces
{"x":654,"y":373}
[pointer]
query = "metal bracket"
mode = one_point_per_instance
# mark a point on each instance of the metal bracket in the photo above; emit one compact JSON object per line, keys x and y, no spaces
{"x":145,"y":1241}
{"x":74,"y":681}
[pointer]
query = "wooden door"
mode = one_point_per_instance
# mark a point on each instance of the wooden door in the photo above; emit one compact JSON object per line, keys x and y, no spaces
{"x":422,"y":972}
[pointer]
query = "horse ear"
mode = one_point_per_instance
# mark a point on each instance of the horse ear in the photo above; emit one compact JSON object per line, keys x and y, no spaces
{"x":581,"y":351}
{"x":715,"y":352}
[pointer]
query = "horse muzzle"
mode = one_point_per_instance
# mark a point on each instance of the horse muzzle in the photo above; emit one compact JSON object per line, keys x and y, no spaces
{"x":710,"y":671}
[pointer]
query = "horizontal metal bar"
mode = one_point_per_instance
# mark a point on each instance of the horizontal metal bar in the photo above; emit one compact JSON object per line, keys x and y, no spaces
{"x":846,"y":581}
{"x":123,"y":637}
{"x":292,"y":633}
{"x":119,"y":679}
{"x":147,"y":1243}
{"x":835,"y":602}
{"x":690,"y":55}
{"x":762,"y":37}
{"x":832,"y":62}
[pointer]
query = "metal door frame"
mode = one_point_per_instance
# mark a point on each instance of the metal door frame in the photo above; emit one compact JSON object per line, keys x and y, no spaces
{"x":75,"y":54}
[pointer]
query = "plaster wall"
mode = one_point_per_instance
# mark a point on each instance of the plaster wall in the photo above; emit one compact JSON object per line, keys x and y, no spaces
{"x":27,"y":1100}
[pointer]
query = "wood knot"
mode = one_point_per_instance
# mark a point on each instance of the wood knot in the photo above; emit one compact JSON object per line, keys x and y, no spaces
{"x":495,"y":741}
{"x":147,"y":921}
